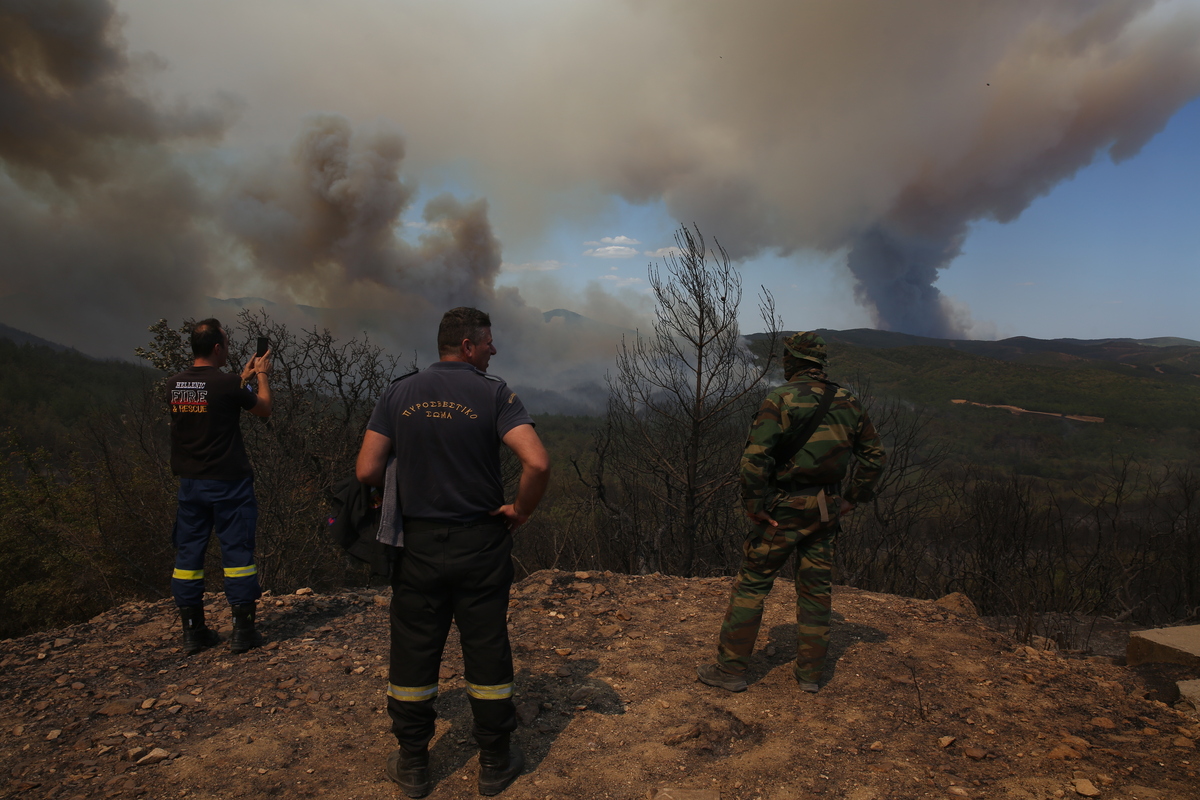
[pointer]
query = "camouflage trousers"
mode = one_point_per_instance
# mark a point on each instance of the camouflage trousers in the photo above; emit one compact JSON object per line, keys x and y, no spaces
{"x":766,"y":550}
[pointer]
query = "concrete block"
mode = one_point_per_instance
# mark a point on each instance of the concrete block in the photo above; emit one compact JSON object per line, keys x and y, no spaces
{"x":1179,"y":645}
{"x":1190,"y":691}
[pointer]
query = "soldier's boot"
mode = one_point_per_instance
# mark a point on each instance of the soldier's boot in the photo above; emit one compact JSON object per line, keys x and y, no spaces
{"x":498,"y":768}
{"x":244,"y":635}
{"x":713,"y":675}
{"x":196,"y":635}
{"x":807,"y":686}
{"x":410,"y":770}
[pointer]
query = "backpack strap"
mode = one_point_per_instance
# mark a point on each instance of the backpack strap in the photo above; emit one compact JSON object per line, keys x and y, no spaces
{"x":405,"y":375}
{"x":787,"y":448}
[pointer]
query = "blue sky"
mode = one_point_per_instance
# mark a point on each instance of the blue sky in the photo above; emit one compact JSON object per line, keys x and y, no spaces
{"x":1114,"y":251}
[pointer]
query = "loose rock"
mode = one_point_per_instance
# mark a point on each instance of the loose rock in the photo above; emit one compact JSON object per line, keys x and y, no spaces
{"x":682,"y":734}
{"x":1063,"y":752}
{"x":118,"y":707}
{"x":154,"y":756}
{"x":958,"y":603}
{"x":527,"y":713}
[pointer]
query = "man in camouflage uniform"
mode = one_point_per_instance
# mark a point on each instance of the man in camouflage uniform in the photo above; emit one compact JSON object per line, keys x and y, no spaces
{"x":795,"y":506}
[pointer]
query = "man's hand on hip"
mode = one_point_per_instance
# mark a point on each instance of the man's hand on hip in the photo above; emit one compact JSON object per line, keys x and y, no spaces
{"x":512,"y":517}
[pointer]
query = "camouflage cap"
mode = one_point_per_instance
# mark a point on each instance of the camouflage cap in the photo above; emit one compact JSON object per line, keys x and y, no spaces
{"x":807,"y":345}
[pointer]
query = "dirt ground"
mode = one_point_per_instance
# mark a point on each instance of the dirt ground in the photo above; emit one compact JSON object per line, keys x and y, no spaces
{"x":919,"y":702}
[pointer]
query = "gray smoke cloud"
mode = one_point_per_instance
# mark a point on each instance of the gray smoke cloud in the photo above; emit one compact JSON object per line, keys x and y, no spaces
{"x":321,"y":227}
{"x":98,"y":221}
{"x":876,"y":129}
{"x":886,"y":129}
{"x":115,"y":210}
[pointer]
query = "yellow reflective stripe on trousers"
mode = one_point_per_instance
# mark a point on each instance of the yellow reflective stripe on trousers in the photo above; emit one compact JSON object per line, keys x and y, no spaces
{"x":188,"y":574}
{"x":501,"y":691}
{"x":241,"y":572}
{"x":412,"y":694}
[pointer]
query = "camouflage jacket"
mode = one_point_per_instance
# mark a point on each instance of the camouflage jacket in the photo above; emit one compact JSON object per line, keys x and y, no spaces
{"x":846,"y":431}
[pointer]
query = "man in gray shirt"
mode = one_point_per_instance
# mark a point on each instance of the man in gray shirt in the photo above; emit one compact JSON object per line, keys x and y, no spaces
{"x":445,"y":425}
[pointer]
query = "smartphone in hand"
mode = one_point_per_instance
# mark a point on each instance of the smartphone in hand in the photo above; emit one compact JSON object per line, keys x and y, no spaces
{"x":263,"y":347}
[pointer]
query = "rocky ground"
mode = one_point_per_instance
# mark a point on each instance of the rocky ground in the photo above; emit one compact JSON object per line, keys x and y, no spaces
{"x":920,"y":702}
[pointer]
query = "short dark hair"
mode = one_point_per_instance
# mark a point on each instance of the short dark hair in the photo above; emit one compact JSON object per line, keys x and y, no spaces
{"x":458,"y":324}
{"x":206,"y":334}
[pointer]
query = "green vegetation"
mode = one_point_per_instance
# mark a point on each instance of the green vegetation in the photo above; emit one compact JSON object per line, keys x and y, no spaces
{"x":935,"y":376}
{"x":46,"y":395}
{"x":1027,"y":514}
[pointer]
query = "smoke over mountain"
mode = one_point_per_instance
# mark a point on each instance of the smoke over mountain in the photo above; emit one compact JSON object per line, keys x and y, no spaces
{"x":97,"y":220}
{"x":884,"y":129}
{"x":880,"y":130}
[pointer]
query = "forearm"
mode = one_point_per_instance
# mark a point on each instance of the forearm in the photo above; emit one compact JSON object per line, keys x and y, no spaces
{"x":867,"y":473}
{"x":532,"y":487}
{"x":371,"y":465}
{"x":756,"y":481}
{"x":263,"y":390}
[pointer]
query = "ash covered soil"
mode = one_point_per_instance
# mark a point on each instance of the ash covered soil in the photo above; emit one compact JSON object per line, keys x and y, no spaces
{"x":920,"y":702}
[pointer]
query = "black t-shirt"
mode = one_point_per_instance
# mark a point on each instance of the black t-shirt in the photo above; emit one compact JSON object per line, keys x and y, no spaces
{"x":206,"y":441}
{"x":446,"y":424}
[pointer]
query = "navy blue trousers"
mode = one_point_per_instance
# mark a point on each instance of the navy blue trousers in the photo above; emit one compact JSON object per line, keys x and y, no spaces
{"x":227,"y":508}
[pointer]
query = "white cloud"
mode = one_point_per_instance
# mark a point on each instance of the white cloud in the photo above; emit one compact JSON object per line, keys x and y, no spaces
{"x":662,"y":252}
{"x":621,"y":281}
{"x":532,"y":266}
{"x":611,"y":251}
{"x":624,"y":240}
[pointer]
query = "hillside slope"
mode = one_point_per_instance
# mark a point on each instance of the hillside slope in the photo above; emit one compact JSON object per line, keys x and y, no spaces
{"x":919,"y":703}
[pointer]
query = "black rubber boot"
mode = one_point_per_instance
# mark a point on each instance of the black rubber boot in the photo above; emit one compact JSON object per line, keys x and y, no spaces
{"x":498,"y":769}
{"x":196,"y":635}
{"x":244,"y":636}
{"x":410,"y":771}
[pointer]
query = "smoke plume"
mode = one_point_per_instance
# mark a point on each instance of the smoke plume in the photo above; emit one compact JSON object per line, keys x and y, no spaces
{"x":98,"y":221}
{"x":876,"y":129}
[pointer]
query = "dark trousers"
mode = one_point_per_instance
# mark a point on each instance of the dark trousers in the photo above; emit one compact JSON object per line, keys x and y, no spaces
{"x":459,"y":573}
{"x":227,"y":508}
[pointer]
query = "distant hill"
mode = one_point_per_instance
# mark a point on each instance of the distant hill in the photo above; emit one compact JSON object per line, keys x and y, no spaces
{"x":1163,"y":358}
{"x":1147,"y":392}
{"x":47,"y":390}
{"x":21,"y":337}
{"x":1168,"y":357}
{"x":867,"y":337}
